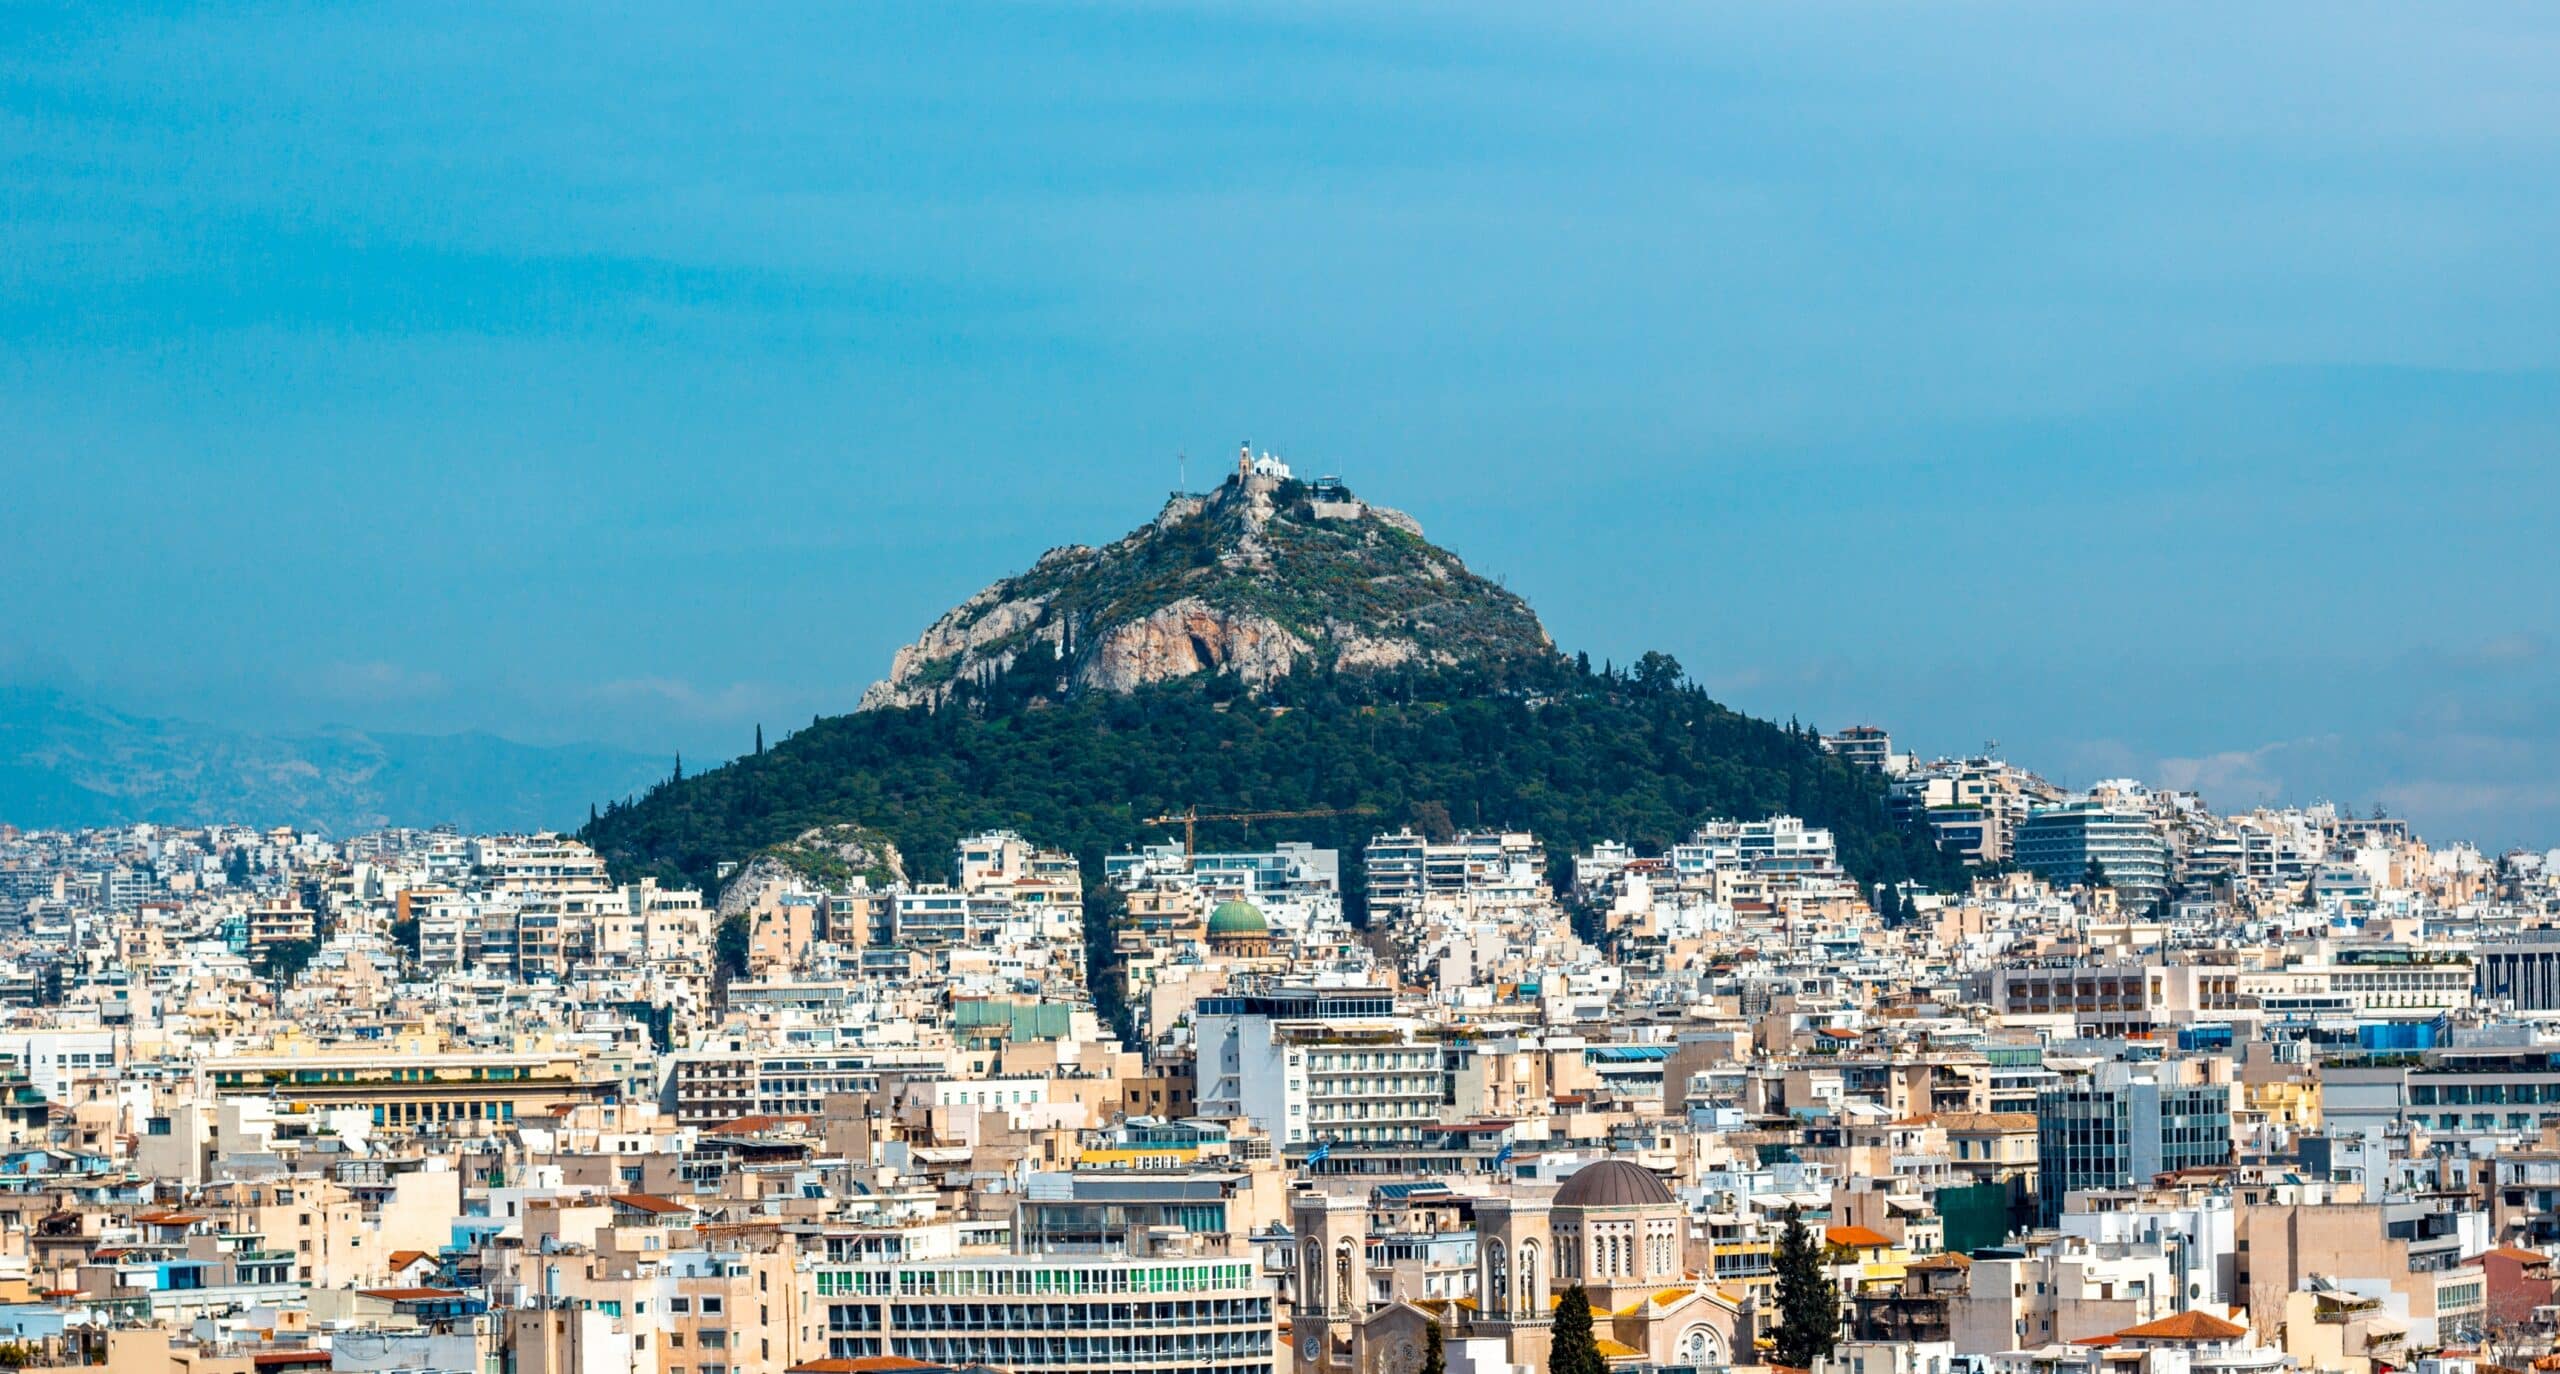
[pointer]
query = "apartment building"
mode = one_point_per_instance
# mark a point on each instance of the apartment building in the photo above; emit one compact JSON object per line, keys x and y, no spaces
{"x":1404,"y":868}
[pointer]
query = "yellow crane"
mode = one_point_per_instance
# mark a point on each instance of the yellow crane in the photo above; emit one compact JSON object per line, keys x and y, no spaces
{"x":1189,"y":819}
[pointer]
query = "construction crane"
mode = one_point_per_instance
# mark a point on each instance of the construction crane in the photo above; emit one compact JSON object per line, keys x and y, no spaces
{"x":1189,"y":819}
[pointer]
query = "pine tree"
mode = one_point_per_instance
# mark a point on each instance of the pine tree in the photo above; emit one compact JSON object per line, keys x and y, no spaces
{"x":1435,"y":1358}
{"x":1808,"y":1306}
{"x":1573,"y":1349}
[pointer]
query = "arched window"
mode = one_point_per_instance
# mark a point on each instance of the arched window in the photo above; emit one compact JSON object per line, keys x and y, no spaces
{"x":1344,"y":1296}
{"x":1528,"y":1278}
{"x":1499,"y":1300}
{"x":1311,"y":1257}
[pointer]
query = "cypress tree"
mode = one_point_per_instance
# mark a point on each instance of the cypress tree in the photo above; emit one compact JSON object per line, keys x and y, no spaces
{"x":1435,"y":1359}
{"x":1574,"y":1349}
{"x":1808,"y":1306}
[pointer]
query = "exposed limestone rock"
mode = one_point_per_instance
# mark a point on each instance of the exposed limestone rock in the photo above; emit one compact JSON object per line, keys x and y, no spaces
{"x":1256,"y":579}
{"x":825,"y":857}
{"x":1187,"y":637}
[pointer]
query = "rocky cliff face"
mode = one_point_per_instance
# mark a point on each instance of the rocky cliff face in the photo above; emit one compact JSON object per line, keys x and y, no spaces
{"x":832,"y":856}
{"x":1259,"y":579}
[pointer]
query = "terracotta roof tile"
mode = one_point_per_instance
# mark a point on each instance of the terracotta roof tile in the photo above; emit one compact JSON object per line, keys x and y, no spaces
{"x":2185,"y":1326}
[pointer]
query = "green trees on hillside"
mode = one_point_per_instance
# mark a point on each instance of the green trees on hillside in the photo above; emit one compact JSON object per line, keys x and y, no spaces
{"x":1574,"y":755}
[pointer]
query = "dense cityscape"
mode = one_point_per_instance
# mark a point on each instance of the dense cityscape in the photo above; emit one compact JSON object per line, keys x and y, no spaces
{"x":655,"y":720}
{"x":2162,"y":1090}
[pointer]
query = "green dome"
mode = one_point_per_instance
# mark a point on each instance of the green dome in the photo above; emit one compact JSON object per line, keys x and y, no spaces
{"x":1236,"y":916}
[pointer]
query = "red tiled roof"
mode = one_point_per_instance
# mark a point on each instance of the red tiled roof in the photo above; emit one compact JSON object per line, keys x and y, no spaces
{"x":642,"y":1202}
{"x":2185,"y":1326}
{"x":1854,"y":1237}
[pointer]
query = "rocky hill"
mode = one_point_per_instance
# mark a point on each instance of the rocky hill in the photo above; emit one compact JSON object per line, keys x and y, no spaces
{"x":1261,"y":578}
{"x":1272,"y":646}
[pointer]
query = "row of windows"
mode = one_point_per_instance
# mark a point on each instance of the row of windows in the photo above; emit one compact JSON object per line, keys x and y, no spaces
{"x":1245,"y":1349}
{"x":1347,"y":1061}
{"x":414,"y":1113}
{"x":1024,"y":1281}
{"x":2483,"y":1094}
{"x":1026,"y":1316}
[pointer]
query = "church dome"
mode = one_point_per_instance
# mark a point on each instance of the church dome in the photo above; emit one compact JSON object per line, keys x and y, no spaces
{"x":1613,"y":1183}
{"x":1236,"y":916}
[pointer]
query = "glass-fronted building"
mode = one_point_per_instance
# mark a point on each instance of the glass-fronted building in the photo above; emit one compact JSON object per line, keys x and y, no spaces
{"x":2116,"y":1134}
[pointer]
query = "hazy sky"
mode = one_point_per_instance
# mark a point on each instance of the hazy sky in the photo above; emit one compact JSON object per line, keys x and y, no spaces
{"x":2166,"y":390}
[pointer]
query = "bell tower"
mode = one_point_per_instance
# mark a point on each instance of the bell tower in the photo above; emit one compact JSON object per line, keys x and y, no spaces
{"x":1333,"y":1279}
{"x":1515,"y":1276}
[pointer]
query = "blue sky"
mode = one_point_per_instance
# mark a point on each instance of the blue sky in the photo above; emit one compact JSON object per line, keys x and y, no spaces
{"x":2164,"y":390}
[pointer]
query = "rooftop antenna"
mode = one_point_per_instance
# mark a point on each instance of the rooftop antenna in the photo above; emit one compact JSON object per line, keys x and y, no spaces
{"x":1182,"y":466}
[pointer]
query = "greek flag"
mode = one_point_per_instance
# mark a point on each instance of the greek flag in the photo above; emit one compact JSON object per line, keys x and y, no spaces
{"x":1322,"y":1152}
{"x":1503,"y":1155}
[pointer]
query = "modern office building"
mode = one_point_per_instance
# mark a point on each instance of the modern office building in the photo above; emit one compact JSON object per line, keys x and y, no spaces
{"x":1054,"y":1315}
{"x":2125,"y":1125}
{"x":2524,"y":971}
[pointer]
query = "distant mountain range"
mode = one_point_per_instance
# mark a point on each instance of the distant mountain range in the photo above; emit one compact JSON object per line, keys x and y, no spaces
{"x":65,"y":762}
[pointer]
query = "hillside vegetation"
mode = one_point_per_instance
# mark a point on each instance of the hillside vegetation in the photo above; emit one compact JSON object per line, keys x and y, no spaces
{"x":1545,"y":745}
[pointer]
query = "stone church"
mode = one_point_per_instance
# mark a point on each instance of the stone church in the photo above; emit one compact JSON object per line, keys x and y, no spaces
{"x":1613,"y":1228}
